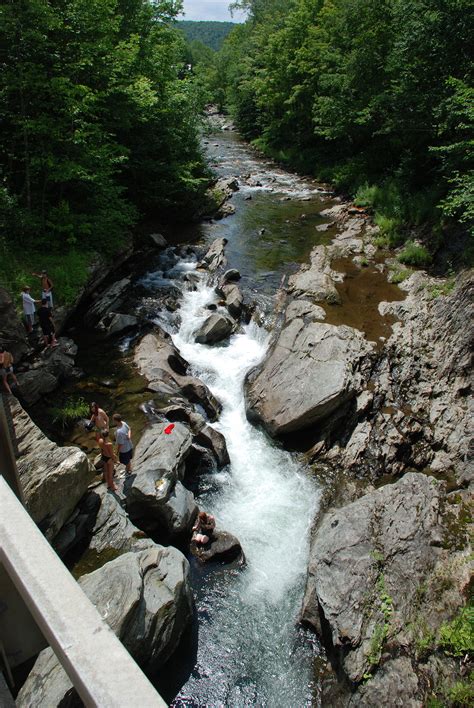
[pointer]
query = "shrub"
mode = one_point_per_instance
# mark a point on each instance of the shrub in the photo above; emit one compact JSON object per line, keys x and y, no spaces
{"x":457,"y":637}
{"x":415,"y":255}
{"x":366,"y":196}
{"x":72,"y":410}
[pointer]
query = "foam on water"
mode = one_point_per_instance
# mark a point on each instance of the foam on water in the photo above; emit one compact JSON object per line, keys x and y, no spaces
{"x":250,"y":653}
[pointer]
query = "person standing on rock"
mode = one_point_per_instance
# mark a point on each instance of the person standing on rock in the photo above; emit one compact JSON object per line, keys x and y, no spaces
{"x":123,"y":438}
{"x":45,"y":317}
{"x":108,"y":459}
{"x":46,"y":287}
{"x":99,"y":418}
{"x":29,"y":308}
{"x":6,"y":369}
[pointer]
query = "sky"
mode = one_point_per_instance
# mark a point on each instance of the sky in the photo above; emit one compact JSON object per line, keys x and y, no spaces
{"x":210,"y":10}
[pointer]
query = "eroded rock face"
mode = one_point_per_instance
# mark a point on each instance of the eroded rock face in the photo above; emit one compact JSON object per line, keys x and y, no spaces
{"x":145,"y":598}
{"x":316,"y":281}
{"x":215,"y":256}
{"x":312,"y":370}
{"x":53,"y":478}
{"x":108,"y":301}
{"x":368,"y":562}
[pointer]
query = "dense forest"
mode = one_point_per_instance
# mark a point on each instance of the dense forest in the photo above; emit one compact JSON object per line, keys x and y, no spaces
{"x":99,"y":129}
{"x":211,"y":34}
{"x":374,"y":96}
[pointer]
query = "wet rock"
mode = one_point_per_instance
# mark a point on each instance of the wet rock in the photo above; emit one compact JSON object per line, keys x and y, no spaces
{"x":107,"y":301}
{"x":156,"y":500}
{"x":261,"y":232}
{"x":54,"y":366}
{"x":12,"y":332}
{"x":160,"y":362}
{"x":215,"y":256}
{"x":383,"y":545}
{"x":145,"y":598}
{"x":53,"y":478}
{"x":224,"y":210}
{"x":304,"y":309}
{"x":248,"y":197}
{"x":311,"y":371}
{"x":159,"y":240}
{"x":215,"y":328}
{"x":115,"y":323}
{"x":323,"y":227}
{"x":233,"y":299}
{"x":214,"y":441}
{"x":222,"y":547}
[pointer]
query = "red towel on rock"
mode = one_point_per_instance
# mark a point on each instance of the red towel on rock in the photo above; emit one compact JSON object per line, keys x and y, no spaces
{"x":168,"y":429}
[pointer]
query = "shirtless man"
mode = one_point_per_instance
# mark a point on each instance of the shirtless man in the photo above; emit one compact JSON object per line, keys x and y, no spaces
{"x":99,"y":418}
{"x":46,"y":287}
{"x":6,"y":369}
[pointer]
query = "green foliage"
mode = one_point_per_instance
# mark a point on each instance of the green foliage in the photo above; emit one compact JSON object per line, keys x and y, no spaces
{"x":415,"y":255}
{"x":374,"y":95}
{"x":399,"y":276}
{"x":457,"y":637}
{"x":72,"y":410}
{"x":209,"y":33}
{"x":461,"y":693}
{"x":99,"y":123}
{"x":68,"y":271}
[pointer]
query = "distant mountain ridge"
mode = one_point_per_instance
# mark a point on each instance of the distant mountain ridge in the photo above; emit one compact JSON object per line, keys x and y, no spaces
{"x":210,"y":33}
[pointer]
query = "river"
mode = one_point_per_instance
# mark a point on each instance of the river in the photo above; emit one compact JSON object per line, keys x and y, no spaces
{"x":247,"y":647}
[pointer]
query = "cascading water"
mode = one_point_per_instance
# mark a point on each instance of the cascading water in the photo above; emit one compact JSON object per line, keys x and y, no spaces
{"x":249,"y":651}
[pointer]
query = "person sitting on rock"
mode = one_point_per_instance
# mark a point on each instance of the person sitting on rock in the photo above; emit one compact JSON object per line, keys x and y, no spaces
{"x":99,"y":419}
{"x":107,"y":459}
{"x":203,"y":528}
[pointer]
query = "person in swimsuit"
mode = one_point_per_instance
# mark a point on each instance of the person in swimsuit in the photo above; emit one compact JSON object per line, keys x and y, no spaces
{"x":203,"y":528}
{"x":6,"y":369}
{"x":99,"y":419}
{"x":108,"y":459}
{"x":46,"y":287}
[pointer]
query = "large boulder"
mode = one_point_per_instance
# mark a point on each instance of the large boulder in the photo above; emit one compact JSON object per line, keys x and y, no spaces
{"x":223,"y":547}
{"x":371,"y":565}
{"x":233,"y":299}
{"x":215,"y":328}
{"x":145,"y":598}
{"x":162,"y":365}
{"x":156,"y":500}
{"x":53,"y":478}
{"x":311,"y":371}
{"x":48,"y":371}
{"x":215,"y":256}
{"x":12,"y":332}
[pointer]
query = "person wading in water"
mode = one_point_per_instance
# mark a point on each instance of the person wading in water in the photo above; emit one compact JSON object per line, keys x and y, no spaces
{"x":107,"y":459}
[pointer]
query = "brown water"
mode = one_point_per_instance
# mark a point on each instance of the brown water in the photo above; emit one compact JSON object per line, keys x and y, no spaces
{"x":361,"y":291}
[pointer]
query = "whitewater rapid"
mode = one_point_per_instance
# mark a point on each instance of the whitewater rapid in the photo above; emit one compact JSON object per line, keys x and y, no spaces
{"x":250,"y":651}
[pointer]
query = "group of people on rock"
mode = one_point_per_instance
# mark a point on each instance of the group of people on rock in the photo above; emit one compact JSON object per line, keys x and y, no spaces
{"x":45,"y":318}
{"x":99,"y":422}
{"x":44,"y":312}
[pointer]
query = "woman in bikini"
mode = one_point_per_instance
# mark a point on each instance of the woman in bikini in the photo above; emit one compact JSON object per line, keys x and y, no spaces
{"x":108,"y":459}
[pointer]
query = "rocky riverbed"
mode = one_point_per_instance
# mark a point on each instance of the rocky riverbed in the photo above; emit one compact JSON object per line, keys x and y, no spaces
{"x":374,"y":395}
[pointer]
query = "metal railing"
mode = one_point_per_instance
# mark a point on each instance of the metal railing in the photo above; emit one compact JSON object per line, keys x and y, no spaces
{"x":100,"y":668}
